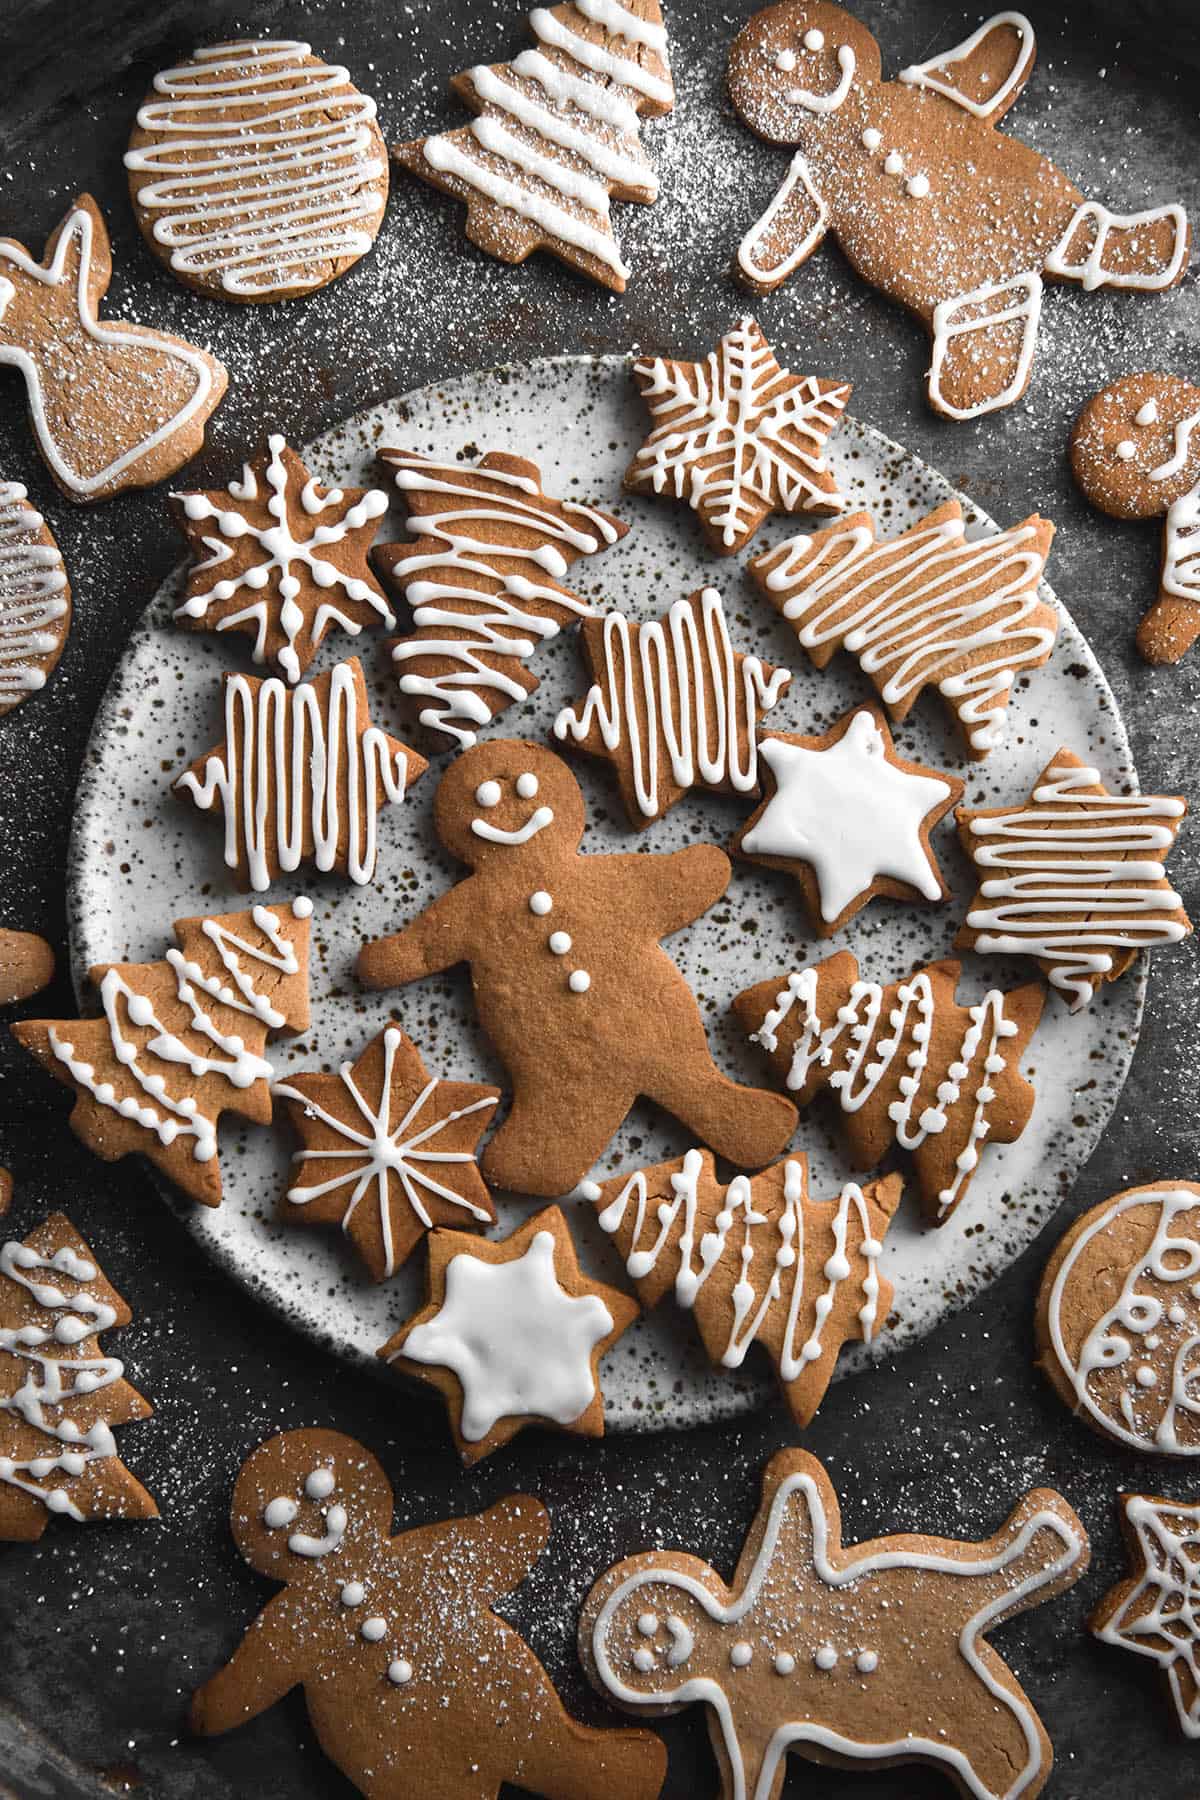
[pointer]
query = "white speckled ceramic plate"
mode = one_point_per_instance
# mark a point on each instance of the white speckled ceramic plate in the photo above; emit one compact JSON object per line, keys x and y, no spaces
{"x":140,"y":859}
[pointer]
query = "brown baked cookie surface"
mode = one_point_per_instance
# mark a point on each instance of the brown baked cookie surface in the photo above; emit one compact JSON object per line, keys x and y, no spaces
{"x":1118,"y":1318}
{"x":257,"y":171}
{"x":1153,"y":1613}
{"x":413,"y":1681}
{"x":35,"y":598}
{"x":1135,"y":452}
{"x":26,"y":965}
{"x":849,"y":1655}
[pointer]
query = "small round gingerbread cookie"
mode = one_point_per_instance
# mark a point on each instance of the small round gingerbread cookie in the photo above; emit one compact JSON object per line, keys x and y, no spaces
{"x":257,"y":171}
{"x":1118,"y":1318}
{"x":35,"y":598}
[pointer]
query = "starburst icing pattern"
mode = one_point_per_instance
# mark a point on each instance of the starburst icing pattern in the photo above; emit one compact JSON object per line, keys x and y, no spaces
{"x":1157,"y":1612}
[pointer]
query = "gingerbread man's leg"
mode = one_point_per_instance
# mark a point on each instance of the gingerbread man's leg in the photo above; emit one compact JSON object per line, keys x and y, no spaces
{"x":560,"y":1122}
{"x":748,"y":1125}
{"x":997,"y":1739}
{"x":983,"y":344}
{"x":1145,"y":250}
{"x":567,"y":1761}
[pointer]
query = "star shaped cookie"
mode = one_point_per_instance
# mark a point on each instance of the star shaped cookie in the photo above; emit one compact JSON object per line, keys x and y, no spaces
{"x":1156,"y":1612}
{"x":737,"y":436}
{"x":387,"y":1152}
{"x":848,"y":818}
{"x":512,"y":1334}
{"x":280,"y":558}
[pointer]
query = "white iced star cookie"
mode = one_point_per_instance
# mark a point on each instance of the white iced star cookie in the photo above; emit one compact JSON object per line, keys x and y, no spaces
{"x":1156,"y":1612}
{"x":512,"y":1334}
{"x":848,"y":818}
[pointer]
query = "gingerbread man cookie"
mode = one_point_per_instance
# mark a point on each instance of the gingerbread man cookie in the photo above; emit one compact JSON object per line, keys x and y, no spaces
{"x":414,"y":1683}
{"x":737,"y":437}
{"x":928,"y":201}
{"x":1156,"y":1612}
{"x":571,"y":985}
{"x":1135,"y":452}
{"x":35,"y":598}
{"x":869,"y":1654}
{"x":111,"y":406}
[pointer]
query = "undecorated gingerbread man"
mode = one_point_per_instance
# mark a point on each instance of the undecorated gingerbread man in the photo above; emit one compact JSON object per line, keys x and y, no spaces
{"x":873,"y":1654}
{"x":929,"y":202}
{"x":584,"y":1007}
{"x":414,"y":1685}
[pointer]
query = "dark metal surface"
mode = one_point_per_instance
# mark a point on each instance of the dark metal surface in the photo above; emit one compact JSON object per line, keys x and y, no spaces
{"x":106,"y":1631}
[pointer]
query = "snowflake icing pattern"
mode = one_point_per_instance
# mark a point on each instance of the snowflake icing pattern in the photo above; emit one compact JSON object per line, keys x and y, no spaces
{"x":1157,"y":1613}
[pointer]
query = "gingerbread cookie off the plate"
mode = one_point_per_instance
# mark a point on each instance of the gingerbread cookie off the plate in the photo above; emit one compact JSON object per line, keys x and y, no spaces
{"x":35,"y":598}
{"x":737,"y":437}
{"x":511,"y":1334}
{"x":1118,"y":1318}
{"x":584,"y":1007}
{"x":181,"y":1041}
{"x":926,"y":608}
{"x":928,"y":201}
{"x":484,"y":578}
{"x":1074,"y":878}
{"x":1135,"y":452}
{"x":414,"y":1683}
{"x":26,"y":965}
{"x":757,"y":1261}
{"x":111,"y":406}
{"x":871,"y":1654}
{"x":1154,"y":1613}
{"x":908,"y":1063}
{"x":673,"y":705}
{"x":60,"y":1394}
{"x":386,"y":1151}
{"x":301,"y":776}
{"x":848,"y":818}
{"x":282,"y":559}
{"x":256,"y":171}
{"x":558,"y":135}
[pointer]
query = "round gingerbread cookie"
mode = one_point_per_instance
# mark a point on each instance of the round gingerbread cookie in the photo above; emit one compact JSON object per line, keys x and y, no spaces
{"x":257,"y":171}
{"x":35,"y":598}
{"x":1118,"y":1318}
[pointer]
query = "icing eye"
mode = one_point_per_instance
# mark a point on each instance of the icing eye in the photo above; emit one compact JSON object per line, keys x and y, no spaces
{"x":319,"y":1485}
{"x":488,"y":793}
{"x":1126,"y":448}
{"x":814,"y":39}
{"x":648,"y":1624}
{"x":527,"y":786}
{"x":643,"y":1659}
{"x":279,"y":1512}
{"x":785,"y":61}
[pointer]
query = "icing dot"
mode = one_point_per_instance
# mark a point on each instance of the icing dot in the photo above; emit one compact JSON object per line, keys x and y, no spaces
{"x":826,"y":1657}
{"x":319,"y":1485}
{"x":488,"y":793}
{"x":1195,"y":1290}
{"x":1147,"y":1377}
{"x":540,"y":903}
{"x":580,"y":981}
{"x":786,"y":61}
{"x":1147,"y":414}
{"x":279,"y":1512}
{"x":1126,"y":448}
{"x":893,"y":163}
{"x":785,"y":1662}
{"x":372,"y":1630}
{"x":1176,"y":1314}
{"x":560,"y":943}
{"x":814,"y":39}
{"x":918,"y":186}
{"x":648,"y":1624}
{"x":741,"y":1653}
{"x":527,"y":786}
{"x":643,"y":1659}
{"x":872,"y":138}
{"x":353,"y":1594}
{"x":302,"y":907}
{"x":866,"y":1662}
{"x":400,"y":1672}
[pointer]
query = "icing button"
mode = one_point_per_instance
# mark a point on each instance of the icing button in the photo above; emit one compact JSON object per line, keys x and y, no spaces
{"x":741,"y":1654}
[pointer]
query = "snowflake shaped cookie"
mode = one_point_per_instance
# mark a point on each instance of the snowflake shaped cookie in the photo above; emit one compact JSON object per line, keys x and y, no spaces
{"x":1157,"y":1612}
{"x":281,"y":558}
{"x":512,"y":1334}
{"x":387,"y":1152}
{"x":737,"y":437}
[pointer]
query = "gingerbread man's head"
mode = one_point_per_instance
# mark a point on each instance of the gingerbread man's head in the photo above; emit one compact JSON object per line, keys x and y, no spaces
{"x":799,"y":61}
{"x":307,"y":1495}
{"x":499,"y":798}
{"x":1135,"y":448}
{"x":648,"y":1626}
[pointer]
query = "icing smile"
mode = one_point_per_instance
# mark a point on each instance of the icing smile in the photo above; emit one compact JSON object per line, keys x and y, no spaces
{"x":827,"y":103}
{"x":490,"y":793}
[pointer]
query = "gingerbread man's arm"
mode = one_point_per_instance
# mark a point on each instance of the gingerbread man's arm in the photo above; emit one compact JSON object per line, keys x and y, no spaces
{"x":787,"y":233}
{"x":267,"y":1664}
{"x":435,"y":940}
{"x":985,"y":74}
{"x":499,"y":1547}
{"x":672,"y":890}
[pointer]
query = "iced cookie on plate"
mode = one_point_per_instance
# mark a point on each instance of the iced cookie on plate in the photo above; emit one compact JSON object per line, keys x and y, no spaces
{"x":35,"y":598}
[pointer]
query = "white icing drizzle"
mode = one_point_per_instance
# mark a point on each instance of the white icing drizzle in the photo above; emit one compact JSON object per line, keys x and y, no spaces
{"x":266,"y":168}
{"x":33,"y":586}
{"x":1178,"y":461}
{"x":43,"y":372}
{"x":440,"y":588}
{"x":233,"y":988}
{"x":52,"y":1381}
{"x":799,"y":175}
{"x":868,"y":1054}
{"x":926,"y":74}
{"x":1018,"y":299}
{"x":1160,"y":1615}
{"x":381,"y":1153}
{"x":626,"y":71}
{"x":827,"y":103}
{"x":851,"y":1570}
{"x":917,"y":609}
{"x":1113,"y":1340}
{"x":1181,"y":558}
{"x":280,"y":747}
{"x":625,"y":23}
{"x":786,"y":1283}
{"x":282,"y":555}
{"x":728,"y":406}
{"x":697,"y":702}
{"x":1091,"y":273}
{"x":1069,"y":885}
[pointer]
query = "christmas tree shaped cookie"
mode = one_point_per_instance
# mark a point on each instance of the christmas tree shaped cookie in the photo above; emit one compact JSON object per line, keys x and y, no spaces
{"x":181,"y":1041}
{"x":60,"y":1394}
{"x":557,"y":136}
{"x":757,"y":1261}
